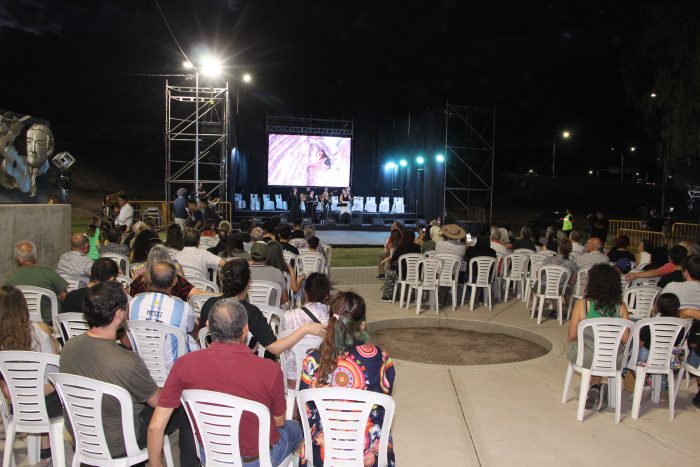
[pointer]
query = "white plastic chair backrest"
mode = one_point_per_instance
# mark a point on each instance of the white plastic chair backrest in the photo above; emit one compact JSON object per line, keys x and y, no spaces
{"x":289,"y":257}
{"x":516,"y":265}
{"x":645,"y":281}
{"x":430,"y":253}
{"x":308,"y":262}
{"x":624,"y":283}
{"x":149,"y":339}
{"x":641,"y":266}
{"x":204,"y":337}
{"x":500,"y":262}
{"x":124,"y":281}
{"x":216,"y":417}
{"x":121,"y":260}
{"x":70,"y":325}
{"x":297,"y":242}
{"x":33,"y":297}
{"x":450,"y":268}
{"x":524,"y":251}
{"x":411,"y":265}
{"x":192,"y":273}
{"x":73,"y":282}
{"x":82,"y":399}
{"x":547,"y":253}
{"x":429,"y":270}
{"x":484,"y":268}
{"x":552,"y":280}
{"x":663,"y":331}
{"x":607,"y":338}
{"x":25,"y":373}
{"x":196,"y":302}
{"x":260,"y":293}
{"x":301,"y":349}
{"x":581,"y":281}
{"x":344,"y":414}
{"x":203,"y":284}
{"x":536,"y":261}
{"x":640,"y":300}
{"x":272,"y":311}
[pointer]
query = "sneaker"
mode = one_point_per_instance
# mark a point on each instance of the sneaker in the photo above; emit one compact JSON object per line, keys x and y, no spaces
{"x":603,"y":399}
{"x":696,"y":400}
{"x":385,"y":300}
{"x":593,"y":396}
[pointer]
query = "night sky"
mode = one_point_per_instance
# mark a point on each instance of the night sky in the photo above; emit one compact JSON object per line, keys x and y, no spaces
{"x":546,"y":66}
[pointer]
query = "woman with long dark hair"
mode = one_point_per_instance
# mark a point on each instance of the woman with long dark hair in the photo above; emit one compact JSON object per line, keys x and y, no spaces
{"x":173,"y":239}
{"x":348,"y":359}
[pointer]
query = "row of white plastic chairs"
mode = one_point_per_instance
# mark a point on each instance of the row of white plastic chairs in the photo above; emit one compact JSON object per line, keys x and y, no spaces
{"x":608,"y":349}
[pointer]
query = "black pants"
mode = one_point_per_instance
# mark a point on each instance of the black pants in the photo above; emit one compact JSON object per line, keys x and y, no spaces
{"x":178,"y":420}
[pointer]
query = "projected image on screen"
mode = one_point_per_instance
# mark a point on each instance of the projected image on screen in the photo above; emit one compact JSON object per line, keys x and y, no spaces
{"x":300,"y":160}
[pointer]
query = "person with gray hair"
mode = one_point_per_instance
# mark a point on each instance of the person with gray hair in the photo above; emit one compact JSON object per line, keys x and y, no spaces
{"x":76,"y":262}
{"x":310,"y":231}
{"x":496,"y":242}
{"x":231,"y":369}
{"x":30,"y":273}
{"x":160,"y":254}
{"x":194,"y":260}
{"x":256,"y":235}
{"x":180,"y":209}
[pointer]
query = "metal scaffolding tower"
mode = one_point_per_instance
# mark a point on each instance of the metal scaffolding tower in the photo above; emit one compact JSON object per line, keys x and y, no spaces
{"x":196,"y":139}
{"x":469,"y":161}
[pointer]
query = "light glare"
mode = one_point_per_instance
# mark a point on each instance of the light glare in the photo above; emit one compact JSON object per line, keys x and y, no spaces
{"x":187,"y":65}
{"x":211,"y":67}
{"x":390,"y":165}
{"x":247,"y":78}
{"x":403,"y":163}
{"x":420,"y":160}
{"x":440,"y":158}
{"x":566,"y":134}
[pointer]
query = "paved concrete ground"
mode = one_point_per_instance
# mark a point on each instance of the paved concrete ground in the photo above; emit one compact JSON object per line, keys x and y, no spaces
{"x":511,"y":414}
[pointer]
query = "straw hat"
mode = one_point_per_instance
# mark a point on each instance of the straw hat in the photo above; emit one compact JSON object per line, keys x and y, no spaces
{"x":453,"y":232}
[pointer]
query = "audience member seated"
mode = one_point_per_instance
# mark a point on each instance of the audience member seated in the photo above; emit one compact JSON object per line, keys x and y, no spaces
{"x":260,"y":271}
{"x":525,"y":241}
{"x":256,"y":235}
{"x":30,"y":273}
{"x":235,"y":281}
{"x":144,"y":241}
{"x":688,"y":292}
{"x":317,"y":289}
{"x":433,"y":234}
{"x":496,"y":244}
{"x":390,"y":244}
{"x":693,"y":248}
{"x":693,"y":357}
{"x":643,"y":255}
{"x":76,"y":262}
{"x":275,"y":258}
{"x":602,"y":299}
{"x":405,"y":246}
{"x":550,"y":236}
{"x":174,"y":240}
{"x":593,"y":254}
{"x":285,"y":235}
{"x":662,"y":266}
{"x":310,"y":231}
{"x":482,"y":247}
{"x":563,"y":259}
{"x":231,"y":369}
{"x":142,"y":283}
{"x":454,"y":241}
{"x":222,"y":237}
{"x":297,"y":232}
{"x":269,"y":232}
{"x":103,"y":270}
{"x":17,"y":332}
{"x":347,"y":350}
{"x":234,"y":249}
{"x":676,"y":255}
{"x":506,"y":236}
{"x":244,"y":235}
{"x":666,"y":306}
{"x":114,"y":246}
{"x":194,"y":260}
{"x":96,"y":354}
{"x":620,"y":250}
{"x":575,"y":238}
{"x":208,"y":229}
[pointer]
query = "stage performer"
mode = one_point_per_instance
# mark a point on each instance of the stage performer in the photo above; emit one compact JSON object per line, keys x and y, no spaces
{"x":320,"y":162}
{"x":293,"y":204}
{"x":311,"y":205}
{"x":325,"y":201}
{"x":344,"y":201}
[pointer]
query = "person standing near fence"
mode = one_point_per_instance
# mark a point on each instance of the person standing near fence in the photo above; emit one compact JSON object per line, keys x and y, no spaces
{"x":599,"y":226}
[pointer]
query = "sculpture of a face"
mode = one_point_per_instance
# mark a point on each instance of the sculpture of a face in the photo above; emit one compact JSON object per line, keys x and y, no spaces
{"x":40,"y":145}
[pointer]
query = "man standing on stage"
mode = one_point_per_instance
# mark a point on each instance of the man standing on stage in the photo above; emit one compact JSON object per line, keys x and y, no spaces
{"x":293,"y":204}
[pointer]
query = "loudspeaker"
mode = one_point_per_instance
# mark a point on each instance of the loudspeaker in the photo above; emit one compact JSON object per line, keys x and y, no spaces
{"x":305,"y":222}
{"x":378,"y":221}
{"x":345,"y":218}
{"x":356,"y":220}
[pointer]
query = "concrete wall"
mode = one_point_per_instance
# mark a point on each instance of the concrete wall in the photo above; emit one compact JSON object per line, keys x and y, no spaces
{"x":47,"y":225}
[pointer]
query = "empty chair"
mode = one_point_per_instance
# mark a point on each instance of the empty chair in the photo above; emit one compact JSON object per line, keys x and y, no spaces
{"x":344,"y":414}
{"x":536,"y":261}
{"x":264,"y":293}
{"x":370,"y":204}
{"x":308,"y":262}
{"x":158,"y":345}
{"x":407,"y":274}
{"x":664,"y":333}
{"x":69,"y":325}
{"x":203,"y":284}
{"x":481,"y":273}
{"x":383,"y":204}
{"x":429,"y":270}
{"x":24,"y":373}
{"x":449,"y":275}
{"x":640,"y":300}
{"x":34,"y":296}
{"x":551,"y":285}
{"x":579,"y":288}
{"x":196,"y":302}
{"x":121,"y":260}
{"x":82,"y":399}
{"x":216,"y":417}
{"x":515,"y":271}
{"x":609,"y":354}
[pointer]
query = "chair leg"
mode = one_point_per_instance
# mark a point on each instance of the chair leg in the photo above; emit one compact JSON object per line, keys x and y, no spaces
{"x":400,"y":294}
{"x":434,"y":294}
{"x":505,"y":297}
{"x":638,"y":388}
{"x":58,"y":455}
{"x":671,"y":392}
{"x":539,"y":311}
{"x":33,"y":448}
{"x":656,"y":389}
{"x":583,"y":393}
{"x":560,"y":312}
{"x":679,"y":380}
{"x":8,"y":456}
{"x":567,"y":382}
{"x":571,"y":304}
{"x":618,"y":395}
{"x":534,"y":305}
{"x":472,"y":299}
{"x":464,"y":293}
{"x":167,"y":451}
{"x":393,"y":295}
{"x":488,"y":294}
{"x":419,"y":298}
{"x":454,"y":296}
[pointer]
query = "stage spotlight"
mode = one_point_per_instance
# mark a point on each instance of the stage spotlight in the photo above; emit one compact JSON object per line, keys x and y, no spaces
{"x":187,"y":65}
{"x":440,"y":158}
{"x":390,"y":165}
{"x":211,"y":66}
{"x":403,"y":163}
{"x":247,"y":78}
{"x":420,"y":160}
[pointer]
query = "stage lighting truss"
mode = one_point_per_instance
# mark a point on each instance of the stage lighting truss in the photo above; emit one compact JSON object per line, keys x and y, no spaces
{"x":309,"y":126}
{"x":213,"y":122}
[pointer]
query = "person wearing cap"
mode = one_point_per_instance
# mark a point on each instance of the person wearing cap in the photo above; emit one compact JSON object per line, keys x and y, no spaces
{"x":454,"y":241}
{"x":180,"y":209}
{"x":259,"y":271}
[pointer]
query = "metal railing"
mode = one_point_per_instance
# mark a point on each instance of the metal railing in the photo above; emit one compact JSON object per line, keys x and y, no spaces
{"x":155,"y":211}
{"x":636,"y":236}
{"x":614,"y":227}
{"x":685,"y":232}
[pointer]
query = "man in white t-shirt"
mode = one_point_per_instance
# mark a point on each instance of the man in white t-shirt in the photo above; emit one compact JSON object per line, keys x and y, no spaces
{"x":575,"y":237}
{"x":688,"y":292}
{"x":195,"y":261}
{"x":126,"y":213}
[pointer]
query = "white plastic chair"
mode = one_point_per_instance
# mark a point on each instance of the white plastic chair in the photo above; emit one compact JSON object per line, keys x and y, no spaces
{"x":579,"y":288}
{"x":82,"y":399}
{"x":265,"y":292}
{"x":203,"y":337}
{"x":607,"y":337}
{"x":196,"y":302}
{"x":297,"y":242}
{"x":24,"y":373}
{"x":515,"y":271}
{"x":409,"y":262}
{"x":124,"y":281}
{"x":272,"y":312}
{"x":536,"y":262}
{"x":523,"y":251}
{"x":430,"y":253}
{"x":216,"y":418}
{"x":551,"y":285}
{"x":481,"y":274}
{"x":450,"y":274}
{"x":203,"y":284}
{"x":308,"y":262}
{"x":73,"y":282}
{"x":33,"y":297}
{"x":547,"y":253}
{"x":289,"y":257}
{"x":344,"y":414}
{"x":300,"y":350}
{"x":429,"y":270}
{"x":121,"y":260}
{"x":664,"y":332}
{"x":148,"y":339}
{"x":69,"y":325}
{"x":645,"y":281}
{"x":640,"y":300}
{"x":624,"y":282}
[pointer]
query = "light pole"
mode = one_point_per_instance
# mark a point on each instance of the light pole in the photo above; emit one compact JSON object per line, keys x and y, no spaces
{"x":566,"y":134}
{"x":622,"y":162}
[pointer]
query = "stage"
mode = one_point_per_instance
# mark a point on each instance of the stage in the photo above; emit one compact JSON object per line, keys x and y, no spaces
{"x":380,"y":221}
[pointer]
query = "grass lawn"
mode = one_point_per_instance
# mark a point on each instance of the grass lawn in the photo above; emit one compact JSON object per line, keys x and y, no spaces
{"x":348,"y":257}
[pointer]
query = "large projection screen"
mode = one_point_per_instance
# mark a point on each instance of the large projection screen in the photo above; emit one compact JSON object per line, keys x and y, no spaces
{"x":303,"y":160}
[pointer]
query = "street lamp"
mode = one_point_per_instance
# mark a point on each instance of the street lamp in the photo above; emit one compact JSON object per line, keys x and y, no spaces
{"x":622,"y":162}
{"x":566,"y":134}
{"x":247,"y":79}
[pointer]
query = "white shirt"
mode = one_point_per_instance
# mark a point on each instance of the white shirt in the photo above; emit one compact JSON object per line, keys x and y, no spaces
{"x":499,"y":248}
{"x":293,"y":320}
{"x":576,"y":247}
{"x":688,"y":293}
{"x":196,"y":262}
{"x":126,"y":216}
{"x":451,"y":247}
{"x":589,"y":259}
